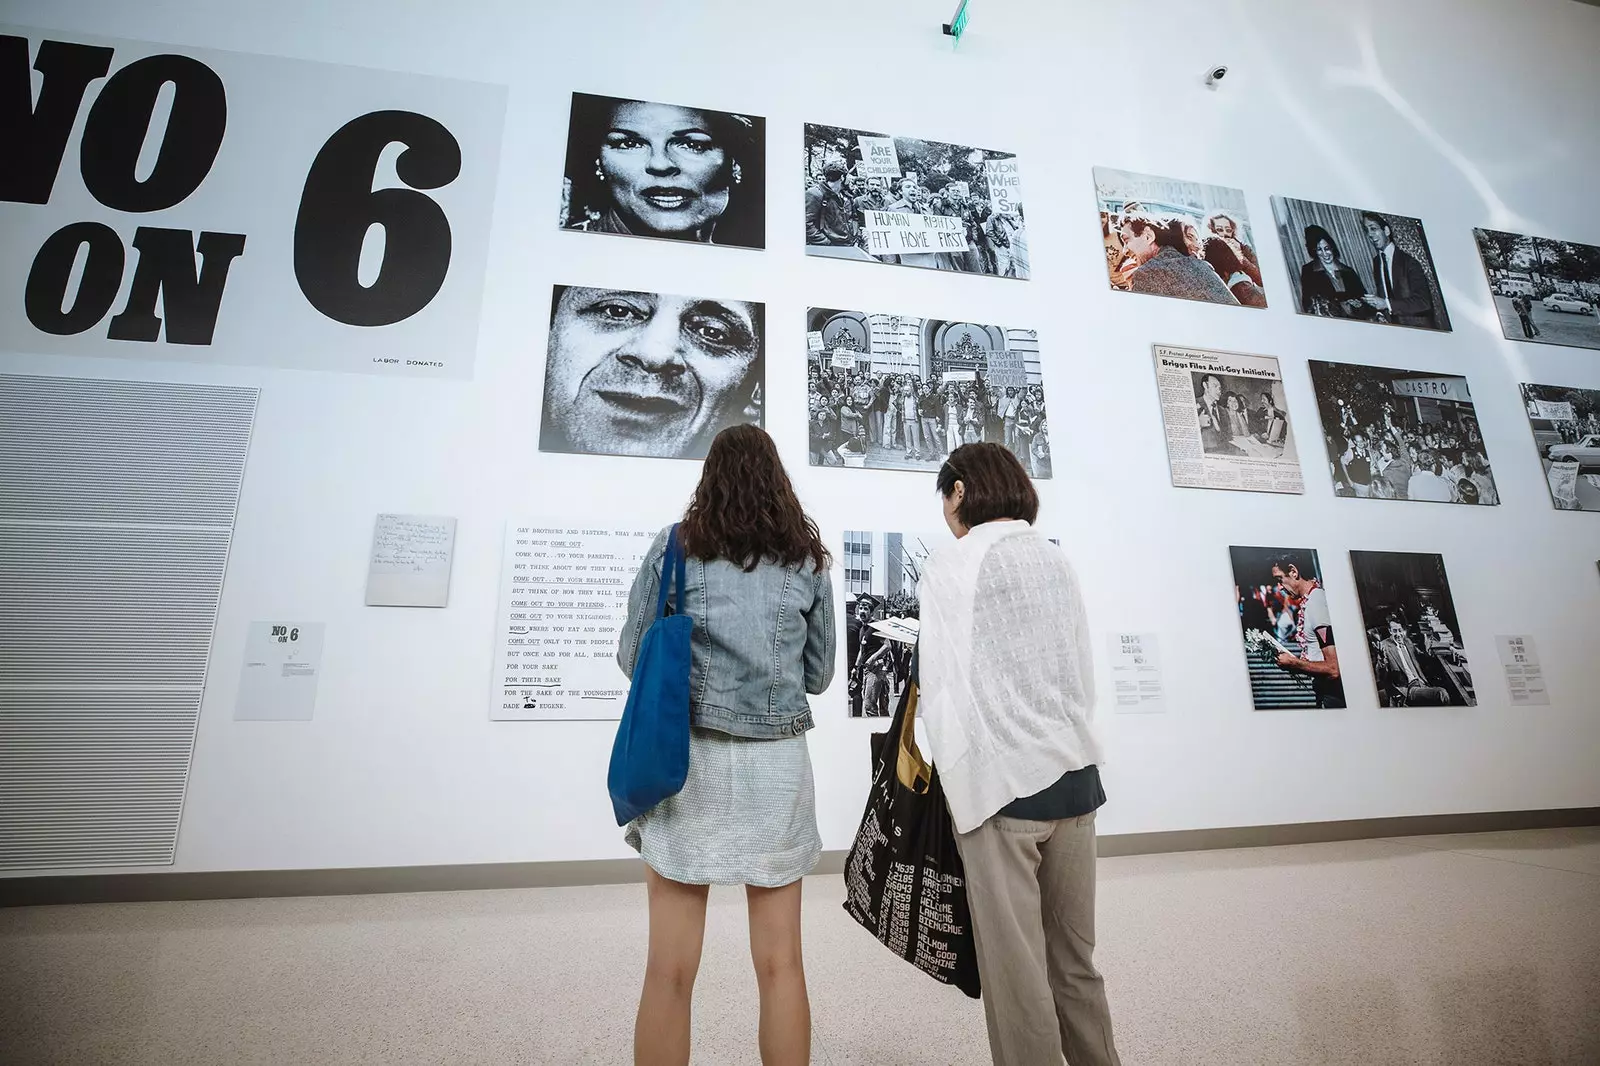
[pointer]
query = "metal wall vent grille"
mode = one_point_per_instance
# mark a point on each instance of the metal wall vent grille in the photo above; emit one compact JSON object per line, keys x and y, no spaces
{"x":117,"y":503}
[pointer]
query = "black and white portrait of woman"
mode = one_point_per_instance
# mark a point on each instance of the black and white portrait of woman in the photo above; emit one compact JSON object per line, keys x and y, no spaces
{"x":661,"y":170}
{"x":644,"y":373}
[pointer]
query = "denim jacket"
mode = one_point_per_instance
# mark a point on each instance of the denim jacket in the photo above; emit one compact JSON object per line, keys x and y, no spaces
{"x":762,"y":641}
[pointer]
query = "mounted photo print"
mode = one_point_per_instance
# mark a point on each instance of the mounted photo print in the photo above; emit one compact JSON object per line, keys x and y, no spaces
{"x":1166,"y":237}
{"x":1566,"y":430}
{"x":1413,"y":634}
{"x":1361,"y":265}
{"x":645,"y":169}
{"x":1289,"y":641}
{"x":1545,"y":291}
{"x":896,"y":392}
{"x":877,"y":198}
{"x":647,"y":373}
{"x":1402,"y":435}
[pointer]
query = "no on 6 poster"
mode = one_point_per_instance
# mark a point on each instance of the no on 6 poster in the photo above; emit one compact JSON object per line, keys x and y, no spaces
{"x":168,"y":202}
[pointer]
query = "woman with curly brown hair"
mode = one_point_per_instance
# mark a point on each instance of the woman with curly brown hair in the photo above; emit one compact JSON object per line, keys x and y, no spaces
{"x":761,"y":598}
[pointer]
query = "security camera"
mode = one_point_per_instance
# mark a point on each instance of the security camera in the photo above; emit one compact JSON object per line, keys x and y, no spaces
{"x":1216,"y":74}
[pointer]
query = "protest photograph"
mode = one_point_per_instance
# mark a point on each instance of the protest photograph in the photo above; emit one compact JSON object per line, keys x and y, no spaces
{"x":1363,"y":265}
{"x":1412,"y":630}
{"x":644,"y":169}
{"x":879,"y":198}
{"x":1566,"y":430}
{"x":1226,"y":420}
{"x":1402,"y":435}
{"x":1546,"y":291}
{"x":893,"y":392}
{"x":881,"y":573}
{"x":1289,"y":645}
{"x":649,"y":374}
{"x":1167,"y":237}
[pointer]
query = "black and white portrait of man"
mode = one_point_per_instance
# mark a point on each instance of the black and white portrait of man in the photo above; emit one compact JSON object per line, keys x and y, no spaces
{"x":650,"y":374}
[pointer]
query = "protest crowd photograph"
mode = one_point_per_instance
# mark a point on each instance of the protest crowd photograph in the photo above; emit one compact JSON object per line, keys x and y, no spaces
{"x":1412,"y":630}
{"x":1287,"y":629}
{"x":1546,"y":291}
{"x":881,"y":573}
{"x":1566,"y":430}
{"x":649,"y":374}
{"x":1402,"y":435}
{"x":910,"y":202}
{"x":893,"y":392}
{"x":1362,"y":265}
{"x":1167,"y":237}
{"x":647,"y":169}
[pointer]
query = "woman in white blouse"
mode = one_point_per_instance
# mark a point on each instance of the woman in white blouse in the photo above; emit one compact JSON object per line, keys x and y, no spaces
{"x":1006,"y":679}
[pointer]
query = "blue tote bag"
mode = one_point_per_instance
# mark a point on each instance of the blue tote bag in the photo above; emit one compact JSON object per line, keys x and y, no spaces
{"x":650,"y":757}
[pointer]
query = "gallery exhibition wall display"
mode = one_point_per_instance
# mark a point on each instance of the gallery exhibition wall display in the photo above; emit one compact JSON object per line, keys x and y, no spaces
{"x":451,"y":482}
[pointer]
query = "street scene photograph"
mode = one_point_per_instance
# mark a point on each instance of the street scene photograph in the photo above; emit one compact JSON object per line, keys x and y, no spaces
{"x":896,"y":392}
{"x":881,"y":574}
{"x":1546,"y":291}
{"x":1566,"y":430}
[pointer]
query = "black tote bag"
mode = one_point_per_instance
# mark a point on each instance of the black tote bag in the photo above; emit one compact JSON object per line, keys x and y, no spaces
{"x":904,"y":881}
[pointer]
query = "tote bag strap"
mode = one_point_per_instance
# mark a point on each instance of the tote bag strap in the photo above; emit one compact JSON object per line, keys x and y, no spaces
{"x":673,"y":566}
{"x":911,"y":768}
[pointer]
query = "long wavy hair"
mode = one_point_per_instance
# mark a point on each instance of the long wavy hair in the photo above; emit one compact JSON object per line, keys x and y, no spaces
{"x":745,"y":509}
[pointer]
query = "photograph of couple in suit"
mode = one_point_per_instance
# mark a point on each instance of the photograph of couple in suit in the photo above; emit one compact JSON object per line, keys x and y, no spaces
{"x":1364,"y":265}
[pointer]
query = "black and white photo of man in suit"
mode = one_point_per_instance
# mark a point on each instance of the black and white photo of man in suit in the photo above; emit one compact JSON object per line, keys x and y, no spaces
{"x":1404,"y":296}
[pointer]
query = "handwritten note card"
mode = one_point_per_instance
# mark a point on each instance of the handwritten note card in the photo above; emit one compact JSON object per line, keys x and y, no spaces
{"x":411,"y":557}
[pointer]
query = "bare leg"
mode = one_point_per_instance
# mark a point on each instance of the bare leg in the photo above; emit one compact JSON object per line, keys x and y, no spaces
{"x":780,"y":975}
{"x":677,"y":929}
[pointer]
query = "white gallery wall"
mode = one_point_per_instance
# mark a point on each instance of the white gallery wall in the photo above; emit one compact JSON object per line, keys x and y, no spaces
{"x":1461,"y":112}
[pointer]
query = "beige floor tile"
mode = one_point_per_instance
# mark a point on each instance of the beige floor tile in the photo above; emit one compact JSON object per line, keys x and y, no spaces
{"x":1576,"y":849}
{"x":1369,"y":952}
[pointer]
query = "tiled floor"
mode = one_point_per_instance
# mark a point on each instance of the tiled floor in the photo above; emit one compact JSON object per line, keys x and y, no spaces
{"x":1449,"y":950}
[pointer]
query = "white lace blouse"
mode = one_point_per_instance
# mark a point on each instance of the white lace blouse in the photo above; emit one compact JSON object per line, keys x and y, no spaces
{"x":1006,"y":669}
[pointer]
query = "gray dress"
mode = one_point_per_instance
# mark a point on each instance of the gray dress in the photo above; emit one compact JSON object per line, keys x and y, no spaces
{"x":747,"y":815}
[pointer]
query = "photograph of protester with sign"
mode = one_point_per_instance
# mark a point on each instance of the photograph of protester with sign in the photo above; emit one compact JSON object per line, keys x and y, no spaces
{"x":645,"y":169}
{"x":1362,"y":265}
{"x":1166,"y":237}
{"x":1566,"y":430}
{"x":881,"y":572}
{"x":1402,"y":434}
{"x":1413,"y":634}
{"x":1289,"y":642}
{"x":645,"y":373}
{"x":1546,"y":291}
{"x":902,"y":200}
{"x":1227,"y":422}
{"x":894,"y":392}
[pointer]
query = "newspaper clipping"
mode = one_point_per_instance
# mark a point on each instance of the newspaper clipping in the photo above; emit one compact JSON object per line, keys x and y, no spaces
{"x":1226,"y":420}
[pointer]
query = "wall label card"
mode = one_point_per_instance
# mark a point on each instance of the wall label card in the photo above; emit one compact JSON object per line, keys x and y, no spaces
{"x":411,"y":559}
{"x":278,"y":682}
{"x":1136,"y":673}
{"x":563,"y":602}
{"x":293,"y":214}
{"x":1524,"y":675}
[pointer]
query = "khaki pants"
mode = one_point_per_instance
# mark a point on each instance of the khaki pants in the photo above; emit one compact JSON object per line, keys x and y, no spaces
{"x":1031,"y":889}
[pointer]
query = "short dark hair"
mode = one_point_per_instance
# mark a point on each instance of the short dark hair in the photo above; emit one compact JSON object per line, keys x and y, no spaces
{"x":996,"y":485}
{"x":1315,"y":235}
{"x":1287,"y":561}
{"x":1373,"y":216}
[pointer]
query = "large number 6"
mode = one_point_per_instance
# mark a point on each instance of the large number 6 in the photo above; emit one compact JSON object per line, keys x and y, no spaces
{"x":339,"y":205}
